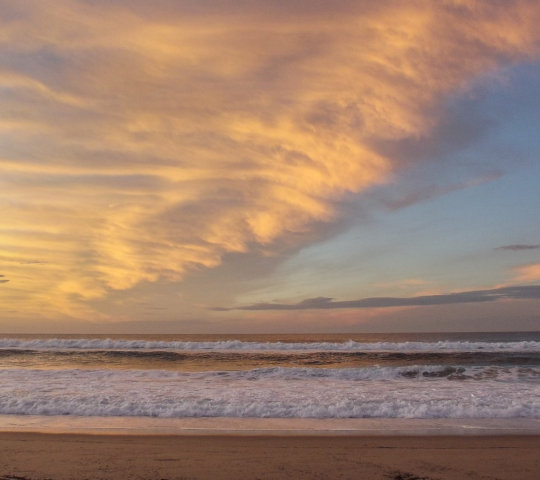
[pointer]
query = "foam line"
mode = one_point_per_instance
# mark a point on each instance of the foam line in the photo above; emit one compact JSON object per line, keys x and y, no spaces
{"x":237,"y":345}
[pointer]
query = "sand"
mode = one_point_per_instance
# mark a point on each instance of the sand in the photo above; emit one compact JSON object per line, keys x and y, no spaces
{"x":174,"y":457}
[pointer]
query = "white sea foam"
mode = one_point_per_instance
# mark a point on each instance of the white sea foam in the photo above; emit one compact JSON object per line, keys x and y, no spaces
{"x":237,"y":345}
{"x":404,"y":392}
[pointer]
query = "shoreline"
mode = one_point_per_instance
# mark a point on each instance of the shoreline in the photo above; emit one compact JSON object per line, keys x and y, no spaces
{"x":231,"y":426}
{"x":60,"y":456}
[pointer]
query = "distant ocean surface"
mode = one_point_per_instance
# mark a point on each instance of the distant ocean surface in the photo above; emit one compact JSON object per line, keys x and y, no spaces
{"x":467,"y":375}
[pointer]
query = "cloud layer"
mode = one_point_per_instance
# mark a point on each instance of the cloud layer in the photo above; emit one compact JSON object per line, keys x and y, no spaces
{"x":143,"y":143}
{"x":520,"y":292}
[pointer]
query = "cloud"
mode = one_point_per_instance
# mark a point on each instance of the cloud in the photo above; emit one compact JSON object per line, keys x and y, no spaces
{"x":527,"y":273}
{"x":475,"y":296}
{"x":143,"y":143}
{"x":519,"y":247}
{"x":397,"y":200}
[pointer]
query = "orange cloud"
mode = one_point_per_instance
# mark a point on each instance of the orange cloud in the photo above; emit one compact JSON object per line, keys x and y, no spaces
{"x":527,"y":273}
{"x":142,"y":143}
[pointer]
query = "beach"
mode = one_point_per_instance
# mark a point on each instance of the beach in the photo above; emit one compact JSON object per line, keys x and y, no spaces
{"x":172,"y":407}
{"x":40,"y":456}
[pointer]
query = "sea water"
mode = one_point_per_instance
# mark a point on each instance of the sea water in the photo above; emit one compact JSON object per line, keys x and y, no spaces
{"x":336,"y":376}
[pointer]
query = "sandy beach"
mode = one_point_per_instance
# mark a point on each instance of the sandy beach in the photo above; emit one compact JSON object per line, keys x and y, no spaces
{"x":40,"y":456}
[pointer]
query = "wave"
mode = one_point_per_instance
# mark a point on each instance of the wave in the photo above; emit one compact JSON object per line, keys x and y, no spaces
{"x":238,"y":345}
{"x":392,"y":392}
{"x":419,"y":372}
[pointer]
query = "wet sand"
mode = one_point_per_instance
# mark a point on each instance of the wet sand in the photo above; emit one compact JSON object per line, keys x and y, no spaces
{"x":40,"y":456}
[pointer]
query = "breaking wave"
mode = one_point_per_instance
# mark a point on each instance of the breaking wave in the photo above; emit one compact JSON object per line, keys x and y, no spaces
{"x":237,"y":345}
{"x":424,"y":391}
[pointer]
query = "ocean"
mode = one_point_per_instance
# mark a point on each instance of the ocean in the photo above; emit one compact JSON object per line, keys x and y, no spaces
{"x":334,"y":376}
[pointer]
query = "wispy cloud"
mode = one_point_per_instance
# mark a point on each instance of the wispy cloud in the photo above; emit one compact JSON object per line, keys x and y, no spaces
{"x":527,"y":273}
{"x":518,"y":247}
{"x":143,"y":142}
{"x":431,"y":191}
{"x":474,"y":296}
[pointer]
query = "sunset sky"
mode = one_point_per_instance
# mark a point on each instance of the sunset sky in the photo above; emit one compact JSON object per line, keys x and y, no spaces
{"x":269,"y":166}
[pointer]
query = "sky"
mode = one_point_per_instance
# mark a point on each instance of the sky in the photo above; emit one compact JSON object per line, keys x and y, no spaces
{"x":269,"y":166}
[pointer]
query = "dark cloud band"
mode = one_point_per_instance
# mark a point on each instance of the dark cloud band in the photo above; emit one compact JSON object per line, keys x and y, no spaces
{"x":475,"y":296}
{"x":518,"y":247}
